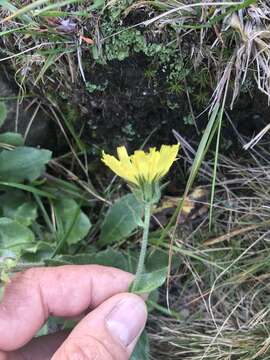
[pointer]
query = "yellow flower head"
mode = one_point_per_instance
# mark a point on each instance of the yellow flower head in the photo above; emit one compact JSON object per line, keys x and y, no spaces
{"x":142,"y":166}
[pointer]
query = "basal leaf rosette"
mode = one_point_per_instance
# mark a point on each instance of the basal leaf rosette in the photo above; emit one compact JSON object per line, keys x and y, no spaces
{"x":143,"y":170}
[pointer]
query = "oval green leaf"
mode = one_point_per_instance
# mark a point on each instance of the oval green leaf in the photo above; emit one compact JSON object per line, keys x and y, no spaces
{"x":23,"y":163}
{"x":11,"y":138}
{"x":14,"y":237}
{"x":109,"y":257}
{"x":151,"y":281}
{"x":121,"y":220}
{"x":73,"y":223}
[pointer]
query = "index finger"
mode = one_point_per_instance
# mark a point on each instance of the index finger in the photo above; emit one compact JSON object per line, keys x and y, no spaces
{"x":32,"y":296}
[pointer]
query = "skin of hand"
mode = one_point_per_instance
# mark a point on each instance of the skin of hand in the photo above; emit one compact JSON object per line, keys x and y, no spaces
{"x":110,"y":329}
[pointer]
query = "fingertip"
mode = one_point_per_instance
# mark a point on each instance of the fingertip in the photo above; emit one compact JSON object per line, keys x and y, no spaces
{"x":127,"y":319}
{"x":116,"y":325}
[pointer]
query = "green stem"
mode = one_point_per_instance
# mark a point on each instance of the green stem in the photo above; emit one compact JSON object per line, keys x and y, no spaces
{"x":140,"y":266}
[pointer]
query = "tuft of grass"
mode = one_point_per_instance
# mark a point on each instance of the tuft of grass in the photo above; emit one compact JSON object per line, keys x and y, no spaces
{"x":220,"y":292}
{"x":220,"y":32}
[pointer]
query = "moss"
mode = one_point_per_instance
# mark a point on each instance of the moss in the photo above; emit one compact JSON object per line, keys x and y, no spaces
{"x":164,"y":56}
{"x":124,"y":41}
{"x":90,"y":87}
{"x":168,"y":65}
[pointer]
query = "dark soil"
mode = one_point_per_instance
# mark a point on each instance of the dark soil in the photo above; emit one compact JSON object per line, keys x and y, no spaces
{"x":130,"y":108}
{"x":123,"y":106}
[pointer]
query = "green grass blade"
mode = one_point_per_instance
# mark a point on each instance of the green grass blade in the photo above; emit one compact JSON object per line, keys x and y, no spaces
{"x":203,"y":147}
{"x":10,"y":7}
{"x":55,"y":6}
{"x":220,"y":117}
{"x":61,"y":235}
{"x":6,"y":32}
{"x":200,"y":154}
{"x":23,"y":10}
{"x":49,"y":61}
{"x":56,"y":13}
{"x":28,"y":188}
{"x":44,"y":213}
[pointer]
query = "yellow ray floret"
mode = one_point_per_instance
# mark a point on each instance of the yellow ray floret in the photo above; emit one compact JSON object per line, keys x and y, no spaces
{"x":142,"y":166}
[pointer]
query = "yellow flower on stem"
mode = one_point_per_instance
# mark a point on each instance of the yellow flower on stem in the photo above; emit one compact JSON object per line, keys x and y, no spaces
{"x":142,"y":171}
{"x":142,"y":167}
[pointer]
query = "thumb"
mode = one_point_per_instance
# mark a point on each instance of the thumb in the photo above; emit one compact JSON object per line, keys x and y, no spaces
{"x":108,"y":332}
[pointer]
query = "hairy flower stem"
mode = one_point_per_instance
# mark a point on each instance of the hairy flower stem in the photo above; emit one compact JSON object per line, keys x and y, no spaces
{"x":140,"y":266}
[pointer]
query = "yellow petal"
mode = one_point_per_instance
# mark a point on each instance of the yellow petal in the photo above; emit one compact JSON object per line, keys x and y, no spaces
{"x":123,"y":155}
{"x":153,"y":166}
{"x":125,"y":159}
{"x":140,"y":162}
{"x":116,"y":166}
{"x":168,"y":154}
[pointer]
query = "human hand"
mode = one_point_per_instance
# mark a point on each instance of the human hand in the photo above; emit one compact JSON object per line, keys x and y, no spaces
{"x":109,"y":331}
